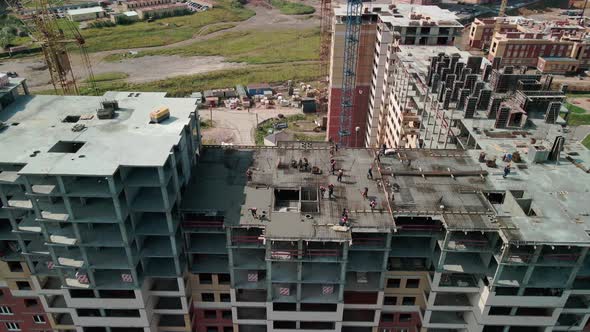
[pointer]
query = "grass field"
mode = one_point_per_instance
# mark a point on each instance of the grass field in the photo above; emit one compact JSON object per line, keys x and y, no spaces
{"x":216,"y":27}
{"x":575,"y":109}
{"x":292,"y":8}
{"x":182,"y":86}
{"x":586,"y":142}
{"x":576,"y":119}
{"x":112,"y":76}
{"x":163,"y":31}
{"x":264,"y":129}
{"x":255,"y":47}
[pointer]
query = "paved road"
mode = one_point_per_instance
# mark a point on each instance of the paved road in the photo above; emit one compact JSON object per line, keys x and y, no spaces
{"x":237,"y":127}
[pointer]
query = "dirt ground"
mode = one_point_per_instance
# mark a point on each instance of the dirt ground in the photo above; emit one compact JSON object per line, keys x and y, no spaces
{"x":161,"y":67}
{"x":583,"y":102}
{"x":237,"y":127}
{"x":543,"y":15}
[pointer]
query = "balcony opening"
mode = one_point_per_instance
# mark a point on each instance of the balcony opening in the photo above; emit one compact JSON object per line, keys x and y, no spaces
{"x":168,"y":303}
{"x":66,"y":147}
{"x":251,"y":313}
{"x":327,"y":307}
{"x":172,"y":320}
{"x":525,"y":311}
{"x":390,"y":300}
{"x":114,"y":294}
{"x":207,"y":297}
{"x":165,"y":285}
{"x":278,"y":324}
{"x":31,"y":303}
{"x":15,"y":266}
{"x":210,"y":314}
{"x":88,"y":312}
{"x":284,"y":306}
{"x":224,"y":297}
{"x":499,"y":311}
{"x":122,"y":313}
{"x":81,"y":293}
{"x":223,"y":279}
{"x":205,"y":278}
{"x":247,"y":295}
{"x":359,"y":315}
{"x":23,"y":285}
{"x":317,"y":325}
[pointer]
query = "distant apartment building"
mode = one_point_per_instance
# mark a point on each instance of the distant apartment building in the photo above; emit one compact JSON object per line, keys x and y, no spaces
{"x":148,"y":8}
{"x":557,"y":47}
{"x":383,"y":24}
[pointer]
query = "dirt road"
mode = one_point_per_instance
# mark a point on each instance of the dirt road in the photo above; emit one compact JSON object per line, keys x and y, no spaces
{"x":237,"y":127}
{"x":145,"y":69}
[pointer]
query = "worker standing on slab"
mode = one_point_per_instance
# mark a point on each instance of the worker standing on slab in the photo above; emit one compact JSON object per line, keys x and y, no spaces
{"x":373,"y":204}
{"x":333,"y":166}
{"x":365,"y":193}
{"x":330,"y":190}
{"x":370,"y":172}
{"x":506,"y":171}
{"x":322,"y":191}
{"x":340,"y":174}
{"x":253,"y":210}
{"x":249,"y":174}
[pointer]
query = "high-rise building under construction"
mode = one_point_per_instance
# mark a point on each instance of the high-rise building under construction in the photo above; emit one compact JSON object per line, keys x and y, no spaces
{"x":126,"y":223}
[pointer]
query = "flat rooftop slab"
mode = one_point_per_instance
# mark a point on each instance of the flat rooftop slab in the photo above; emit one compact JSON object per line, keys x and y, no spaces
{"x":37,"y":123}
{"x":289,"y":197}
{"x":445,"y":184}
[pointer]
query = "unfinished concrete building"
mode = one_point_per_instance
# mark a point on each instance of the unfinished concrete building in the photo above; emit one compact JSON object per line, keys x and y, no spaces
{"x":383,"y":24}
{"x":90,"y":189}
{"x":449,"y":245}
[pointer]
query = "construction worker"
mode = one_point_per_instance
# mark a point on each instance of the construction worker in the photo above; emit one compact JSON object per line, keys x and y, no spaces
{"x":345,"y":213}
{"x":300,"y":164}
{"x":383,"y":148}
{"x":365,"y":193}
{"x":249,"y":174}
{"x":305,"y":164}
{"x":330,"y":190}
{"x":344,"y":221}
{"x":370,"y":173}
{"x":333,"y":165}
{"x":372,"y":204}
{"x":322,"y":191}
{"x":340,"y":174}
{"x":253,"y":210}
{"x":506,"y":171}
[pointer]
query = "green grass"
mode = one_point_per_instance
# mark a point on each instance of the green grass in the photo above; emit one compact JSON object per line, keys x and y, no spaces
{"x":112,"y":76}
{"x":255,"y":47}
{"x":264,"y":129}
{"x":576,"y":119}
{"x":163,"y":31}
{"x":216,"y":27}
{"x":206,"y":124}
{"x":586,"y":142}
{"x":182,"y":86}
{"x":292,"y":8}
{"x":309,"y":138}
{"x":575,"y":109}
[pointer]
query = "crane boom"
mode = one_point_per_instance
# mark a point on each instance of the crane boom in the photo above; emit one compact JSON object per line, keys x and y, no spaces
{"x":351,"y":47}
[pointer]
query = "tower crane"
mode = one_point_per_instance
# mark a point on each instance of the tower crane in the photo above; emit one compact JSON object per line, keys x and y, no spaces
{"x":56,"y":37}
{"x":501,"y":13}
{"x":351,"y":47}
